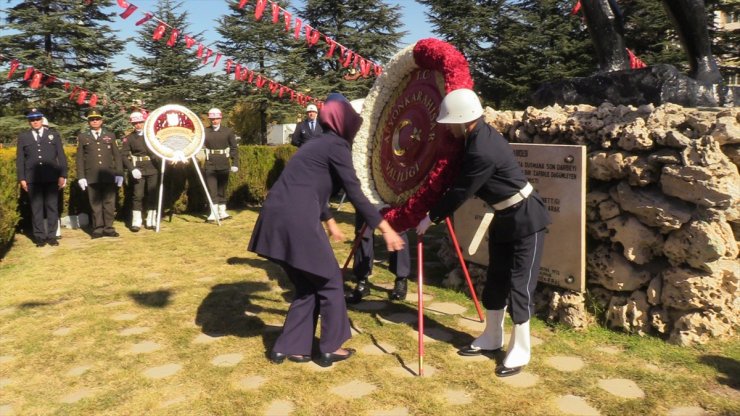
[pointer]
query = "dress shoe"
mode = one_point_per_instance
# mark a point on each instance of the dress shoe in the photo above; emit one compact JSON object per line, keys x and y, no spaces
{"x":96,"y":235}
{"x":113,"y":233}
{"x":135,"y":229}
{"x":399,"y":289}
{"x":40,"y":243}
{"x":360,"y":291}
{"x":52,"y":241}
{"x":503,"y":371}
{"x":299,"y":358}
{"x":279,"y":358}
{"x":472,"y":351}
{"x":326,"y":359}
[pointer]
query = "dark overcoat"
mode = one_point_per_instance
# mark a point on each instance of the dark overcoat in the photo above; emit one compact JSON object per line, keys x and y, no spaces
{"x":41,"y":161}
{"x":98,"y":161}
{"x":491,"y":172}
{"x":289,"y":225}
{"x":303,"y":132}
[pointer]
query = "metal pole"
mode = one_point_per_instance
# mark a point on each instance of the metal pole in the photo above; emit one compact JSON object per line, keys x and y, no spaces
{"x":161,"y":193}
{"x":420,"y":290}
{"x":464,"y":267}
{"x":205,"y":188}
{"x":356,"y":244}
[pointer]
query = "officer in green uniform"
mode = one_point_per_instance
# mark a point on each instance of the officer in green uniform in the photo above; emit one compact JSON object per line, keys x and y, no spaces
{"x":100,"y":172}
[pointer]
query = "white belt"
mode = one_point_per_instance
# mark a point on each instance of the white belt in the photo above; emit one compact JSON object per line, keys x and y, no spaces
{"x":139,"y":158}
{"x":218,"y":151}
{"x":514,"y":199}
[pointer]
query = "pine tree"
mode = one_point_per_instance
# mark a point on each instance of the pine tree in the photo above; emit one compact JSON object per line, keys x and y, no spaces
{"x":66,"y":38}
{"x":368,"y":27}
{"x":169,"y":75}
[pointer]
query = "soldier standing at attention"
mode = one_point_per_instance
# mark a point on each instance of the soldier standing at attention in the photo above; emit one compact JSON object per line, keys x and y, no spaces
{"x":222,"y":158}
{"x":100,"y":172}
{"x":140,"y":162}
{"x":41,"y":167}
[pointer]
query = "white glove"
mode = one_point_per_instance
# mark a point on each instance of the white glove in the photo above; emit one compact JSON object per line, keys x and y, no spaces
{"x":119,"y":181}
{"x":425,"y":223}
{"x":234,"y":169}
{"x":136,"y":173}
{"x":83,"y":183}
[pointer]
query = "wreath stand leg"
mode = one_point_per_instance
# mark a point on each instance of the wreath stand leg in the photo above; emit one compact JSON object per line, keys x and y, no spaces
{"x":205,"y":188}
{"x":355,"y":244}
{"x":420,"y":290}
{"x":161,"y":194}
{"x":464,"y":267}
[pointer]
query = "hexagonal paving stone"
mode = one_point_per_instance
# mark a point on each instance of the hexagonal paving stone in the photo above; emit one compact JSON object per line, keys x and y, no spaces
{"x":574,"y":405}
{"x":446,"y":308}
{"x":370,"y":305}
{"x":380,"y":349}
{"x":396,"y":411}
{"x":205,"y":339}
{"x":162,"y":371}
{"x":78,"y":371}
{"x":609,"y":350}
{"x":687,"y":411}
{"x":622,"y":387}
{"x":280,"y":408}
{"x":353,"y":389}
{"x":413,"y":370}
{"x":145,"y":347}
{"x":521,"y":380}
{"x":60,"y":332}
{"x":456,"y":397}
{"x":472,"y":324}
{"x":125,"y":316}
{"x":136,"y":330}
{"x":76,"y":396}
{"x":227,"y":360}
{"x":432,"y":335}
{"x":251,"y":382}
{"x":6,"y":359}
{"x":563,"y":363}
{"x":398,"y":318}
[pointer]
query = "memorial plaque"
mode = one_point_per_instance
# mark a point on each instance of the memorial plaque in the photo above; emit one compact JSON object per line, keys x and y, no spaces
{"x":558,"y":173}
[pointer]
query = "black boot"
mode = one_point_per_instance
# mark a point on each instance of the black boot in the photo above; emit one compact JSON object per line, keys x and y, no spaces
{"x":399,"y":289}
{"x":362,"y":289}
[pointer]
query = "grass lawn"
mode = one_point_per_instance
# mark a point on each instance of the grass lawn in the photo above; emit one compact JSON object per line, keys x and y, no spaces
{"x":180,"y":322}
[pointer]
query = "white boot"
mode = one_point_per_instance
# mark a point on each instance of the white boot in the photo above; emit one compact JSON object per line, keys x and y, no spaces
{"x":213,"y":214}
{"x":59,"y":229}
{"x":518,"y":353}
{"x":151,"y":219}
{"x":135,"y":221}
{"x":222,"y":214}
{"x":492,"y":337}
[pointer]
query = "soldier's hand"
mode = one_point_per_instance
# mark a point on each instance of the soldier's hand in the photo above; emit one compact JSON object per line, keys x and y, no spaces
{"x":61,"y":182}
{"x":24,"y":185}
{"x":424,"y":224}
{"x":235,"y":169}
{"x":83,"y":183}
{"x":136,"y":173}
{"x":119,"y":181}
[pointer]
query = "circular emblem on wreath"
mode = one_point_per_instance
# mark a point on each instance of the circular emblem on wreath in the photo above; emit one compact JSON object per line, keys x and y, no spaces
{"x":174,"y":133}
{"x":406,"y":160}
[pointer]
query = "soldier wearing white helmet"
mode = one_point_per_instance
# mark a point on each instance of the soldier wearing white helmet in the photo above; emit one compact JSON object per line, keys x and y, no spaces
{"x":222,"y":158}
{"x":308,"y":128}
{"x":491,"y":172}
{"x":141,"y":164}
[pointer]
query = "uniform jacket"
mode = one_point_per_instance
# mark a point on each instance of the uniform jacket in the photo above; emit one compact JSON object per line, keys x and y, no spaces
{"x":98,"y":161}
{"x":222,"y":139}
{"x":40,"y":161}
{"x":303,"y":133}
{"x":134,"y":145}
{"x":491,"y":172}
{"x":289,"y":225}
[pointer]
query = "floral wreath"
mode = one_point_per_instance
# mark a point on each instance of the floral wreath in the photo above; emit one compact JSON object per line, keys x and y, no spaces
{"x":431,"y":54}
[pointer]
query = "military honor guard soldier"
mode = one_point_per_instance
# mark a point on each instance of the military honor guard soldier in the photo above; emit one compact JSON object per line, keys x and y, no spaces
{"x":100,"y":172}
{"x":141,"y":165}
{"x":222,"y":158}
{"x":308,"y":128}
{"x":41,"y":167}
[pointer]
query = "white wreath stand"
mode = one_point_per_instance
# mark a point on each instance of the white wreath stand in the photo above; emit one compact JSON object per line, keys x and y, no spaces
{"x":202,"y":181}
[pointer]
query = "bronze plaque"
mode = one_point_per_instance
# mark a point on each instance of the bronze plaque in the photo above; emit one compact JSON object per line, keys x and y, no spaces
{"x":558,"y":173}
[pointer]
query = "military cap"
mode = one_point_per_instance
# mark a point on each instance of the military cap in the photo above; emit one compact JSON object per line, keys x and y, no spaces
{"x":34,"y":114}
{"x":94,"y":114}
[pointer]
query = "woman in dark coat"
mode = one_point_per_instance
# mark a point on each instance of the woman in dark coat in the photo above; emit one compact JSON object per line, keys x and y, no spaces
{"x":289,"y":232}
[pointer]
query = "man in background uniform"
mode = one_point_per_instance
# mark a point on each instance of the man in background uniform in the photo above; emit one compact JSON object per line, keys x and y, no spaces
{"x":41,"y":167}
{"x":222,"y":158}
{"x":308,"y":128}
{"x":100,"y":172}
{"x":140,"y":162}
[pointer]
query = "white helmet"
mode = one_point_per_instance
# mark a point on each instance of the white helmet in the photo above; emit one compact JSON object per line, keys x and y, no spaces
{"x":214,"y":113}
{"x":312,"y":107}
{"x":357,"y":104}
{"x":460,"y":106}
{"x":44,"y":122}
{"x":136,"y":117}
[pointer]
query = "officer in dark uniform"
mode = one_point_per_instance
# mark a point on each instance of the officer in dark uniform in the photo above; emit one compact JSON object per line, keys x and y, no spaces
{"x":222,"y":157}
{"x":100,"y":172}
{"x":41,"y":167}
{"x":140,"y":163}
{"x":516,"y":235}
{"x":308,"y":128}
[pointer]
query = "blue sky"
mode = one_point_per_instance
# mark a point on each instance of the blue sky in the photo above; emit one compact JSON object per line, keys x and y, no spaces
{"x":203,"y":15}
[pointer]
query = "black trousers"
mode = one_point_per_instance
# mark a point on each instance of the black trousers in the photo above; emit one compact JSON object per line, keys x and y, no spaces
{"x":141,"y":188}
{"x":216,"y":182}
{"x":362,"y":267}
{"x":44,"y":199}
{"x":102,"y":197}
{"x":513,"y":271}
{"x":314,"y":295}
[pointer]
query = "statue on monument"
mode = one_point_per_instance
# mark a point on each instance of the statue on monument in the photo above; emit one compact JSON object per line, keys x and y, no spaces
{"x":605,"y":24}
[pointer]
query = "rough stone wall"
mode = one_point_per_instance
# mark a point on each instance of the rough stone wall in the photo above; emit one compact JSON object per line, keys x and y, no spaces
{"x":663,"y":216}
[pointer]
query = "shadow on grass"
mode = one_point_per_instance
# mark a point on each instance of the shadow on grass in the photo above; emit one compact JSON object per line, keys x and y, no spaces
{"x":274,"y":272}
{"x":155,"y":299}
{"x":729,"y":367}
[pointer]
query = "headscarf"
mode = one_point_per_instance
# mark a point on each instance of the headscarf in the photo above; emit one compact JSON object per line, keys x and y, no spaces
{"x":338,"y":116}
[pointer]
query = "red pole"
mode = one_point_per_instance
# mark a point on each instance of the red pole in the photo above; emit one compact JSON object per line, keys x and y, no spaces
{"x":420,"y":290}
{"x":354,"y":247}
{"x":464,"y":267}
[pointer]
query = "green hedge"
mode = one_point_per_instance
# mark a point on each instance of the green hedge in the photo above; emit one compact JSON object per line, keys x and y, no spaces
{"x":259,"y":168}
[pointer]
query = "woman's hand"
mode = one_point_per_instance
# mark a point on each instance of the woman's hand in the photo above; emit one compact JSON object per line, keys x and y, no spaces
{"x":335,"y":233}
{"x":393,"y":241}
